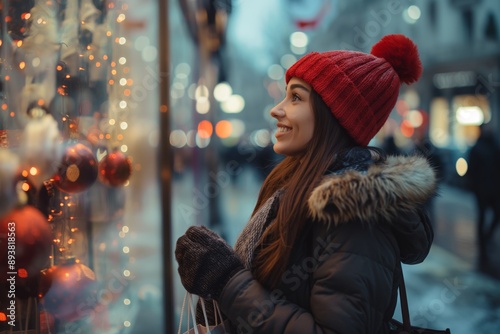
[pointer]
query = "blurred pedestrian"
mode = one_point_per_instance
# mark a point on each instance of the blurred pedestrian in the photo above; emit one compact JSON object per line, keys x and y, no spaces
{"x":483,"y":179}
{"x":334,"y":219}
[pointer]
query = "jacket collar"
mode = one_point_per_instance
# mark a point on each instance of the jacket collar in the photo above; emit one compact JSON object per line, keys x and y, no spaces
{"x":366,"y":188}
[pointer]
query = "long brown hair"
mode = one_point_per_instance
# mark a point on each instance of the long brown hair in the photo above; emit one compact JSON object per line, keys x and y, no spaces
{"x":298,"y":176}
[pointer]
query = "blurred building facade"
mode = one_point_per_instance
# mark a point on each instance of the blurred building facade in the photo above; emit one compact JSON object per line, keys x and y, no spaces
{"x":458,"y":42}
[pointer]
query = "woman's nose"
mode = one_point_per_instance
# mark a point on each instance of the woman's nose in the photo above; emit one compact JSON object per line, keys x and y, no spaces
{"x":277,"y":111}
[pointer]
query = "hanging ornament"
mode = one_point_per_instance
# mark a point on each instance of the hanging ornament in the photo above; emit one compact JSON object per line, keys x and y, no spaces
{"x":29,"y":232}
{"x":115,"y":169}
{"x":78,"y":169}
{"x":72,"y":292}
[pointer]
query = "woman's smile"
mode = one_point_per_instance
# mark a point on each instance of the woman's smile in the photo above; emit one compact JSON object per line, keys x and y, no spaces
{"x":294,"y":114}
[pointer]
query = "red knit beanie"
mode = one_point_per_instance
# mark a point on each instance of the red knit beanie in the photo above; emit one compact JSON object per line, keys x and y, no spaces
{"x":361,"y":89}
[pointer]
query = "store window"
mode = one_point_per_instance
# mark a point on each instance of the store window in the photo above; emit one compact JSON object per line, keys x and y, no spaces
{"x":469,"y":112}
{"x":80,"y":200}
{"x":457,"y":125}
{"x":439,"y":124}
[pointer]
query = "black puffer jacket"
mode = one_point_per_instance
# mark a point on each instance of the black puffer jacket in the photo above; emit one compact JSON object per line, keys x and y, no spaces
{"x":343,"y":273}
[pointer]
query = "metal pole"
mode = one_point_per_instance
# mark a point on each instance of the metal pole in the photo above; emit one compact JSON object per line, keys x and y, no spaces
{"x":165,"y":160}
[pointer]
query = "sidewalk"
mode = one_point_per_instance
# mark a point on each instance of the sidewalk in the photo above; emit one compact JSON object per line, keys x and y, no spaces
{"x":455,"y":228}
{"x":446,"y":290}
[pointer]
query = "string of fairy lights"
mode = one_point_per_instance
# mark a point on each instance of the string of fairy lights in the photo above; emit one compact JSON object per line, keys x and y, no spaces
{"x":109,"y":133}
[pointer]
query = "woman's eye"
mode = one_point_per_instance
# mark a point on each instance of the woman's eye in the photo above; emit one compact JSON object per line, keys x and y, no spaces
{"x":295,"y":97}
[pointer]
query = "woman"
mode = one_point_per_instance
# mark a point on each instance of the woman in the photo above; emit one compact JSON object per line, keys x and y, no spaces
{"x":334,"y":219}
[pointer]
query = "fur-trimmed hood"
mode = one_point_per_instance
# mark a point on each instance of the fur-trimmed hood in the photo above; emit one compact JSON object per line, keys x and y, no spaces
{"x":381,"y":191}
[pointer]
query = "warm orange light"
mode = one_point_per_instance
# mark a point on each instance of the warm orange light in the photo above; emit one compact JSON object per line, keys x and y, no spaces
{"x":3,"y":317}
{"x":205,"y":129}
{"x":406,"y":129}
{"x":4,"y":106}
{"x":22,"y":273}
{"x":223,"y":129}
{"x":25,"y":186}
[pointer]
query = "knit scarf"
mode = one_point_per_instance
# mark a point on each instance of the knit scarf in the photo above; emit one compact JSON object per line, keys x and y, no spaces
{"x":249,"y":238}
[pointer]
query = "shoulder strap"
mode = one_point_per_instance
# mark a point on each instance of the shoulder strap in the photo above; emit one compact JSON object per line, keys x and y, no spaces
{"x":404,"y":302}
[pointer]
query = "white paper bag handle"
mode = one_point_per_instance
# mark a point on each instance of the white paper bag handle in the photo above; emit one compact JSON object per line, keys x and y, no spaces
{"x":182,"y":313}
{"x":190,"y":311}
{"x":193,"y":313}
{"x":205,"y":314}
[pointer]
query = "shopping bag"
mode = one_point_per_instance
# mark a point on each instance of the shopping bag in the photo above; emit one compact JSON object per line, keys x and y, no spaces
{"x":220,"y":327}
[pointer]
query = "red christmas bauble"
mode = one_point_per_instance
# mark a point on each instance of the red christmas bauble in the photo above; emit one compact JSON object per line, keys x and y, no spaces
{"x":25,"y":242}
{"x":78,"y":170}
{"x":72,"y":291}
{"x":115,"y":169}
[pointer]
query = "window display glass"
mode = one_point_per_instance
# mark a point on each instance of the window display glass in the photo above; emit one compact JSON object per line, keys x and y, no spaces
{"x":81,"y":212}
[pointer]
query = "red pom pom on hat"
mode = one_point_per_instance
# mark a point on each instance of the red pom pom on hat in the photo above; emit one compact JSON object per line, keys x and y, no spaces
{"x":400,"y":51}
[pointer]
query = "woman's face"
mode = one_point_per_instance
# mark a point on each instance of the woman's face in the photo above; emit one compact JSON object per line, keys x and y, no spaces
{"x":295,"y":119}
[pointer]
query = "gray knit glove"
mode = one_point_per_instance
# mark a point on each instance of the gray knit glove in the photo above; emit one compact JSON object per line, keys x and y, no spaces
{"x":206,"y":262}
